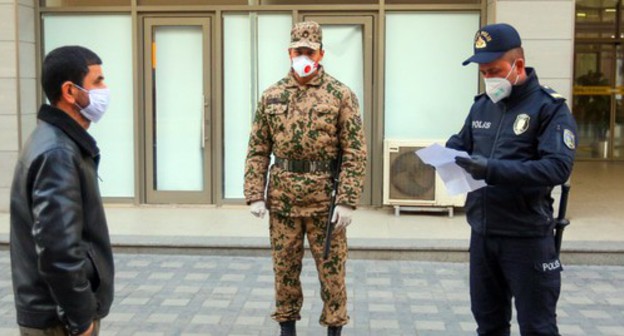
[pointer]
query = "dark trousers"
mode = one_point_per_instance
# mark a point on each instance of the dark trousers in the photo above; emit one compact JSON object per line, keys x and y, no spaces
{"x":527,"y":269}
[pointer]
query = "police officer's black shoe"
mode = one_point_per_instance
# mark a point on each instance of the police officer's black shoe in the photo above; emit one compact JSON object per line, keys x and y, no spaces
{"x":288,"y":328}
{"x":334,"y":331}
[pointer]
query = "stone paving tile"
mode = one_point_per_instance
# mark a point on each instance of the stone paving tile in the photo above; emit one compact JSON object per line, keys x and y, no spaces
{"x":216,"y":295}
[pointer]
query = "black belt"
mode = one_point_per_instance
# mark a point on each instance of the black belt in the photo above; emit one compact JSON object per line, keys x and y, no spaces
{"x":305,"y":166}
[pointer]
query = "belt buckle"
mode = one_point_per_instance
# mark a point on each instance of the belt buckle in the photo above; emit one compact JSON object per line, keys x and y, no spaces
{"x":313,"y":166}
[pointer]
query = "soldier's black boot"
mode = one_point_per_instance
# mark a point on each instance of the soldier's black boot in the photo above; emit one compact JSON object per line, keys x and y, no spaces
{"x":334,"y":331}
{"x":288,"y":328}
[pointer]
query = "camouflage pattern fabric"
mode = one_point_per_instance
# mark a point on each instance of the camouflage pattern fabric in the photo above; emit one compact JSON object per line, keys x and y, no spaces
{"x":306,"y":122}
{"x":306,"y":34}
{"x":287,"y":246}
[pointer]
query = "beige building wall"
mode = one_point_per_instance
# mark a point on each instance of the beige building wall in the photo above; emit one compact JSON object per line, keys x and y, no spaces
{"x":547,"y":32}
{"x":546,"y":28}
{"x":17,"y":85}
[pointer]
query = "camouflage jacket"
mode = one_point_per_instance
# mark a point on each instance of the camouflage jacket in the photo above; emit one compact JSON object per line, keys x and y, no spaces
{"x":306,"y":122}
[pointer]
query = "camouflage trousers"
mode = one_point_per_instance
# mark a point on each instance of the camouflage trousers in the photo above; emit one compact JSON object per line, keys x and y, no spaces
{"x":287,"y":235}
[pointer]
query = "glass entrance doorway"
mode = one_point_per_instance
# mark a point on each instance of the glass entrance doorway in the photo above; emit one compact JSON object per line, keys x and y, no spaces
{"x":599,"y":79}
{"x":177,"y":110}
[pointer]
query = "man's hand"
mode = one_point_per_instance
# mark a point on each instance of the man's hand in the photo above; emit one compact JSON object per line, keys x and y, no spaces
{"x":476,"y":166}
{"x":342,"y":217}
{"x":258,"y":209}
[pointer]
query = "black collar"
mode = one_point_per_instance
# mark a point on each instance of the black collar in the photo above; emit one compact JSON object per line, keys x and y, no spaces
{"x":530,"y":85}
{"x":69,"y":126}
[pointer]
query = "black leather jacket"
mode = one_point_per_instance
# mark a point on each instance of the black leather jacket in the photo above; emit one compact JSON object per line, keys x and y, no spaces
{"x":61,"y":258}
{"x":529,"y":141}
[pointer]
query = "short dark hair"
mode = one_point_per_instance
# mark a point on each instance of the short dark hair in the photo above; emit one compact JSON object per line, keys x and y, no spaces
{"x":68,"y":63}
{"x":513,"y":54}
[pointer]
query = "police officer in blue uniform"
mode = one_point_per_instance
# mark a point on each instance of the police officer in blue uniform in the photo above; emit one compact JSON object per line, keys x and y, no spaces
{"x":521,"y":138}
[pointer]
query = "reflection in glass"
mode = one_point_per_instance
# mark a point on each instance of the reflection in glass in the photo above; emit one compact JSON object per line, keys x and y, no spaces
{"x":595,"y":18}
{"x":592,"y":118}
{"x":593,"y":89}
{"x":618,"y":139}
{"x":618,"y":130}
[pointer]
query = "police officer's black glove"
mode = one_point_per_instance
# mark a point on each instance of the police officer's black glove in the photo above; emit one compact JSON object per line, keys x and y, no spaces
{"x":476,"y":166}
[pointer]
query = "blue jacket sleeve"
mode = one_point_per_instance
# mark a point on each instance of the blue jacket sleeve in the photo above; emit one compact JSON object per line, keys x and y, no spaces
{"x":463,"y":140}
{"x":556,"y":143}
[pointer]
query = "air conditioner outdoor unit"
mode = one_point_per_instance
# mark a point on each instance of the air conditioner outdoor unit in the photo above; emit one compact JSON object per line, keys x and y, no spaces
{"x":410,"y":184}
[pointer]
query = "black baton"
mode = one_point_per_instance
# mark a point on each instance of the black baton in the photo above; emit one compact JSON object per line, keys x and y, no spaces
{"x":561,"y":222}
{"x":332,"y":206}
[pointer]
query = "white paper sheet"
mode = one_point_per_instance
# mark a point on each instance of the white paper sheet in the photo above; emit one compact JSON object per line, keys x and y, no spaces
{"x":456,"y":179}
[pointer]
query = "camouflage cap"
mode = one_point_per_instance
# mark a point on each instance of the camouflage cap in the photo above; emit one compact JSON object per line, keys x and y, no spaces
{"x":306,"y":34}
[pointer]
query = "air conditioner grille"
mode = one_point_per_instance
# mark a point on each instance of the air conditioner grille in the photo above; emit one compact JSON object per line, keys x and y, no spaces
{"x":410,"y":178}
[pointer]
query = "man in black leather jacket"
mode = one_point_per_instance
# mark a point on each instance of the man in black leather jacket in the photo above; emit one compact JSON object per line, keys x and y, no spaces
{"x":61,"y":257}
{"x":521,"y":138}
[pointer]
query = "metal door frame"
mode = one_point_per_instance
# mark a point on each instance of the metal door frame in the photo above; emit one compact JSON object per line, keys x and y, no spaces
{"x":151,"y":194}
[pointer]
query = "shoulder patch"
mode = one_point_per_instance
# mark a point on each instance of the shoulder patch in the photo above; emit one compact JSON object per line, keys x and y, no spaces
{"x":569,"y":139}
{"x":552,"y":93}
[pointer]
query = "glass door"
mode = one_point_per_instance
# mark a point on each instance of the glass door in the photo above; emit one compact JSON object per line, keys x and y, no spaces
{"x":348,"y":44}
{"x":177,"y":110}
{"x":599,"y":79}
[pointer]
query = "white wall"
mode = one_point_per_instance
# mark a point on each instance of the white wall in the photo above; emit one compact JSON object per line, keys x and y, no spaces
{"x":17,"y":85}
{"x":547,"y":32}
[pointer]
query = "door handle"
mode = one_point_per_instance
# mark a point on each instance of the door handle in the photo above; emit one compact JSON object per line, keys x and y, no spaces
{"x":205,"y":121}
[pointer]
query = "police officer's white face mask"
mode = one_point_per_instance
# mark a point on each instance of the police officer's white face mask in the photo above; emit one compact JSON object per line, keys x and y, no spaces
{"x":304,"y":66}
{"x":98,"y":103}
{"x":499,"y":88}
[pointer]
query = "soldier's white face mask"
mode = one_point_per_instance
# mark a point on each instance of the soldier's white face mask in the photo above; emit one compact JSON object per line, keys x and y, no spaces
{"x":98,"y":103}
{"x":499,"y":88}
{"x":303,"y":65}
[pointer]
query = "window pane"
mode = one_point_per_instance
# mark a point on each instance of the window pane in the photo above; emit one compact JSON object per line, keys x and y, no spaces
{"x":83,"y":3}
{"x":428,"y":94}
{"x":318,"y":2}
{"x":595,"y":18}
{"x":191,"y":2}
{"x":179,"y":106}
{"x":237,"y":103}
{"x":115,"y":132}
{"x":618,"y":131}
{"x":344,"y":57}
{"x":247,"y":73}
{"x":592,"y":98}
{"x":273,"y":40}
{"x":434,"y":2}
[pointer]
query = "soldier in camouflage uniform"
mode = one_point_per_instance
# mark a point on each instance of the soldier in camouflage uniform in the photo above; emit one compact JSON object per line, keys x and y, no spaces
{"x":306,"y":120}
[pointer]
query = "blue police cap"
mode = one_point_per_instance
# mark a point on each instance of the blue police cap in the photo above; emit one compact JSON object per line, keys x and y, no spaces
{"x":493,"y":41}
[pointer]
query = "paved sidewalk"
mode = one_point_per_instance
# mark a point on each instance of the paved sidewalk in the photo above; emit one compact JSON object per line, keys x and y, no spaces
{"x":211,"y":295}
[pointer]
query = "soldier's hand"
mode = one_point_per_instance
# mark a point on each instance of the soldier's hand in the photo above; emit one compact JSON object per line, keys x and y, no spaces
{"x":258,"y":209}
{"x":475,"y":165}
{"x":342,"y":217}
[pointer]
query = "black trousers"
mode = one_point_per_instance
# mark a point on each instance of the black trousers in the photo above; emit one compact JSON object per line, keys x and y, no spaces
{"x":527,"y":269}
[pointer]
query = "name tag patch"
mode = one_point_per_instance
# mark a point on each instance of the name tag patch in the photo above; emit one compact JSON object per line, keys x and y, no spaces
{"x":481,"y":124}
{"x":549,"y":266}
